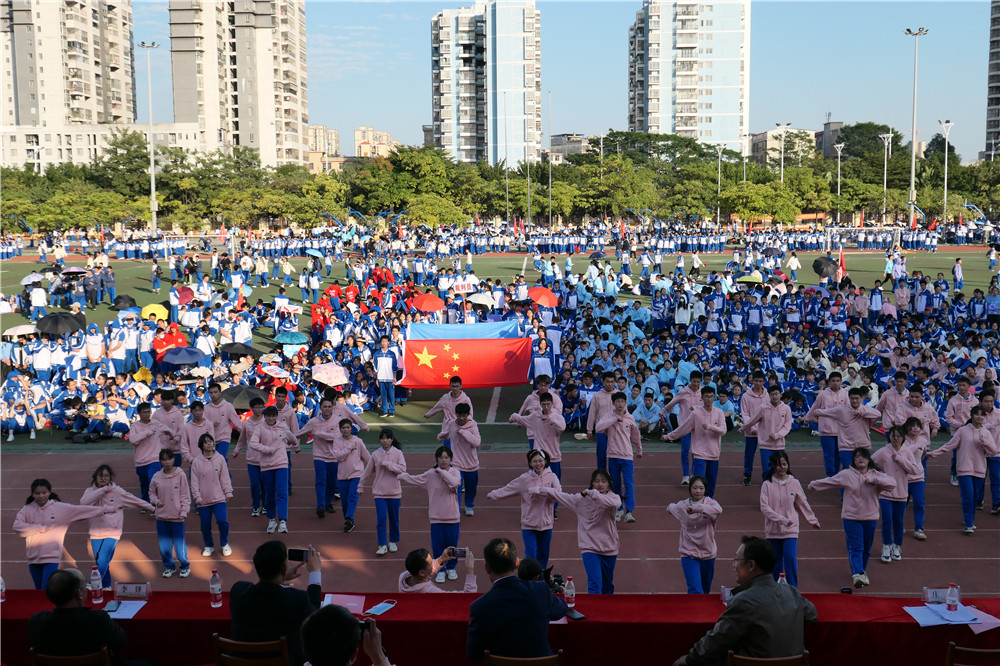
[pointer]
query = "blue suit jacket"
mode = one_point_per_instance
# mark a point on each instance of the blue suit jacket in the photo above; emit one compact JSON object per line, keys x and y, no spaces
{"x":512,"y":619}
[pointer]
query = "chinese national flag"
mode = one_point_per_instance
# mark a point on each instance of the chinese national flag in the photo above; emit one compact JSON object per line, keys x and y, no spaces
{"x":430,"y":364}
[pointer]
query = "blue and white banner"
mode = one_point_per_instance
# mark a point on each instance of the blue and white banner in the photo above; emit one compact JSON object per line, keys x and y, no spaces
{"x":489,"y":331}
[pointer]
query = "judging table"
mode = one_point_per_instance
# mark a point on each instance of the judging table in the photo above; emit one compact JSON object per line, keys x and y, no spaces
{"x":175,"y":628}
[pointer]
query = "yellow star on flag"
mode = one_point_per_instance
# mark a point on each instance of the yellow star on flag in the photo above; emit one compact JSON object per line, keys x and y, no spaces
{"x":447,"y":347}
{"x":425,"y":358}
{"x":447,"y":375}
{"x":455,"y":368}
{"x":454,"y":357}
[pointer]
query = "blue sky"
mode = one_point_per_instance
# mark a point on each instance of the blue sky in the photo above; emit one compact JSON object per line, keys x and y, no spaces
{"x":369,"y":64}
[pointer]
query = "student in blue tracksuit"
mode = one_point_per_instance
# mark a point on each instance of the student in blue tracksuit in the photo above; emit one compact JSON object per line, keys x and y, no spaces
{"x":386,"y":367}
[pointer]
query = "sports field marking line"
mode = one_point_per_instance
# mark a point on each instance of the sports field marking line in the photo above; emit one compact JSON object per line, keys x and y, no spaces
{"x":491,"y":415}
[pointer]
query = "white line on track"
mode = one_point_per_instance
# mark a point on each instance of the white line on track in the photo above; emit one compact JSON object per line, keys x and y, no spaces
{"x":491,"y":415}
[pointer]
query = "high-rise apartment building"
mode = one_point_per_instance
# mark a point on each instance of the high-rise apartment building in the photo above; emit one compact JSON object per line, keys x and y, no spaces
{"x":370,"y":142}
{"x":486,"y":77}
{"x":66,"y":63}
{"x":993,"y":84}
{"x":689,"y":70}
{"x":239,"y":71}
{"x":325,"y":140}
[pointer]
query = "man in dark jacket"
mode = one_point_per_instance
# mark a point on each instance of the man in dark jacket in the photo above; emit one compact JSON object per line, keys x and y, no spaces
{"x":762,"y":620}
{"x":71,"y":629}
{"x":512,"y":618}
{"x":266,"y":611}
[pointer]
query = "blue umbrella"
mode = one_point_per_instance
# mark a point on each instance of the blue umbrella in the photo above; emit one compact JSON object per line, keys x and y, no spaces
{"x":291,"y":338}
{"x":247,"y":290}
{"x":130,"y":312}
{"x":314,"y":253}
{"x":597,"y":255}
{"x":184,"y":356}
{"x":365,"y":238}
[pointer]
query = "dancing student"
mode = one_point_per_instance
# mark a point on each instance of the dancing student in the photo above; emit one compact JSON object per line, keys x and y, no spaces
{"x":898,"y":462}
{"x":352,"y":457}
{"x":772,"y":422}
{"x":987,"y":399}
{"x":973,"y":444}
{"x":686,"y":400}
{"x":441,"y":482}
{"x":601,"y":406}
{"x":832,"y":396}
{"x":852,"y":423}
{"x":623,"y":435}
{"x":537,"y":512}
{"x":546,"y":424}
{"x":223,"y":415}
{"x":862,"y":482}
{"x":250,"y":426}
{"x":596,"y":528}
{"x":144,"y":435}
{"x":43,"y":522}
{"x":463,"y":433}
{"x":781,"y":502}
{"x":532,"y":404}
{"x":421,"y":568}
{"x":920,"y":423}
{"x":324,"y":429}
{"x":106,"y":529}
{"x":170,"y":494}
{"x":446,"y":403}
{"x":750,"y":403}
{"x":704,"y":426}
{"x":382,"y":471}
{"x":270,"y":440}
{"x":193,"y":431}
{"x":212,"y":489}
{"x":697,"y":516}
{"x":957,"y":413}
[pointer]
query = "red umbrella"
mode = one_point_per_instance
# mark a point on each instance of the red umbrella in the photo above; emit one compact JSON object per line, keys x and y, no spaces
{"x":543,"y":296}
{"x":428,"y":303}
{"x":185,"y":295}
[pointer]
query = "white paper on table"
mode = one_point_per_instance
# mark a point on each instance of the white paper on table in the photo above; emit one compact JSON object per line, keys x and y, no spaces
{"x":352,"y":602}
{"x":127,"y":609}
{"x":961,"y":616}
{"x":562,"y":620}
{"x":986,"y":621}
{"x":924,"y":616}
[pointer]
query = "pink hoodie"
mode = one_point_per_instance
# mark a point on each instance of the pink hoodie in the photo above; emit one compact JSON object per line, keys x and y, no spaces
{"x":191,"y":434}
{"x":900,"y":465}
{"x":44,"y":527}
{"x":446,"y":404}
{"x":928,"y":419}
{"x":536,"y":510}
{"x":146,"y":440}
{"x":175,"y":494}
{"x":324,"y":431}
{"x":698,"y":527}
{"x":429,"y":586}
{"x":778,"y":502}
{"x":271,"y":443}
{"x":771,"y":425}
{"x":352,"y":456}
{"x":860,"y":491}
{"x":706,"y":443}
{"x":249,"y":427}
{"x":442,"y":506}
{"x":826,"y":400}
{"x":531,"y":405}
{"x":173,"y":427}
{"x":225,"y":415}
{"x":210,"y":482}
{"x":622,"y":434}
{"x":750,"y":402}
{"x":384,"y":466}
{"x":852,"y":425}
{"x":109,"y":525}
{"x":545,"y":430}
{"x":974,"y":447}
{"x":464,"y":442}
{"x":596,"y":530}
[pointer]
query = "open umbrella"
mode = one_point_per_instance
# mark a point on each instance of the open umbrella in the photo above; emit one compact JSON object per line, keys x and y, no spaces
{"x":770,"y":252}
{"x":240,"y":396}
{"x":156,"y":310}
{"x":752,"y":278}
{"x":819,"y":290}
{"x":270,"y":358}
{"x":276,"y":372}
{"x":185,"y":295}
{"x":74,"y":270}
{"x":239,"y":349}
{"x":246,"y":289}
{"x":143,"y":374}
{"x":314,"y":253}
{"x":123,"y":301}
{"x":428,"y":303}
{"x":184,"y":356}
{"x":58,"y":323}
{"x":330,"y":374}
{"x":597,"y":255}
{"x":291,"y":338}
{"x":482,"y":298}
{"x":31,"y":279}
{"x":23,"y":329}
{"x":543,"y":296}
{"x":825,"y":267}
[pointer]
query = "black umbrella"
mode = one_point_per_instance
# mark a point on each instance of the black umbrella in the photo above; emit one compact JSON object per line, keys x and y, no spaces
{"x":770,"y":252}
{"x":58,"y":323}
{"x":240,"y":349}
{"x":597,"y":255}
{"x":240,"y":396}
{"x":124,"y":302}
{"x":825,"y":267}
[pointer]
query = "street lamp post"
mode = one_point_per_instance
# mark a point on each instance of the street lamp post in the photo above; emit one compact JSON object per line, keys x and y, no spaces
{"x":886,"y":143}
{"x":550,"y":159}
{"x":784,"y":131}
{"x":946,"y":128}
{"x":152,"y":145}
{"x":719,"y":148}
{"x":920,"y":32}
{"x":839,"y":147}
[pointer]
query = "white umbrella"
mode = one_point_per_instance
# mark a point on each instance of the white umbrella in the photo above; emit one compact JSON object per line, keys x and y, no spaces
{"x":330,"y":374}
{"x":482,"y":298}
{"x":23,"y":329}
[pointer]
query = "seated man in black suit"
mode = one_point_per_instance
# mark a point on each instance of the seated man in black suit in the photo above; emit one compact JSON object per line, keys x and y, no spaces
{"x":71,"y":629}
{"x":266,"y":610}
{"x":512,"y":618}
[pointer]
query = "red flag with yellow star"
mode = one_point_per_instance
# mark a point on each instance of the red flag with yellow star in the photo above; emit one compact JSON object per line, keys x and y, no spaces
{"x":431,"y":364}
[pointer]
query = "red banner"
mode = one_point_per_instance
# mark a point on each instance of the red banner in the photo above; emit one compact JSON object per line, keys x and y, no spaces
{"x":431,"y":364}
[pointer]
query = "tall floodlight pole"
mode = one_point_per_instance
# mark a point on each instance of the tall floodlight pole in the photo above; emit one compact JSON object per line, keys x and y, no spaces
{"x":719,"y":148}
{"x":784,"y":130}
{"x":550,"y":159}
{"x":946,"y":128}
{"x":506,"y":155}
{"x":920,"y":32}
{"x":153,"y":208}
{"x":886,"y":144}
{"x":839,"y":147}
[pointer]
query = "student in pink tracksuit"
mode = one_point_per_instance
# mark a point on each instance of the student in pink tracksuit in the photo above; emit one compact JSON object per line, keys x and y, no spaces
{"x":43,"y":522}
{"x":862,"y":482}
{"x":441,"y":481}
{"x":974,"y":444}
{"x":920,"y":423}
{"x":420,"y":569}
{"x":852,"y":423}
{"x":781,"y":502}
{"x":897,"y":461}
{"x":144,"y":435}
{"x":382,"y":471}
{"x":447,"y":403}
{"x":106,"y":529}
{"x":704,"y":426}
{"x":463,"y":433}
{"x":193,"y":430}
{"x":270,"y":440}
{"x":697,"y":515}
{"x":532,"y":404}
{"x":623,"y":435}
{"x":686,"y":400}
{"x":324,"y":430}
{"x":536,"y":510}
{"x":170,"y":494}
{"x":772,"y":422}
{"x":250,"y":426}
{"x":546,"y":425}
{"x":988,"y":401}
{"x":212,"y":490}
{"x":351,"y":456}
{"x":596,"y":529}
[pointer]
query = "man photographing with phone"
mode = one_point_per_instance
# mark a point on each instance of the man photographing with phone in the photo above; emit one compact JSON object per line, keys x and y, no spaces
{"x":333,"y":637}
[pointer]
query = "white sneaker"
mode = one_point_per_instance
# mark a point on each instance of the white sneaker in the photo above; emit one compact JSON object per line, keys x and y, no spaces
{"x":469,"y":511}
{"x":185,"y":573}
{"x":629,"y":518}
{"x":618,"y":515}
{"x":10,"y":436}
{"x":970,"y":530}
{"x":856,"y":581}
{"x":897,"y":552}
{"x":685,"y":480}
{"x":283,"y":527}
{"x":440,"y":577}
{"x":272,"y":525}
{"x":32,"y":435}
{"x":954,"y":480}
{"x":227,"y":551}
{"x":864,"y":579}
{"x":207,"y":552}
{"x":919,"y":535}
{"x":382,"y":550}
{"x":167,"y":573}
{"x":886,"y":554}
{"x":452,"y":574}
{"x":393,"y":547}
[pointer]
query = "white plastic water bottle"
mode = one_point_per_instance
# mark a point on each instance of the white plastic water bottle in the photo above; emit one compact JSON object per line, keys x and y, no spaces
{"x":96,"y":587}
{"x":215,"y":589}
{"x":569,"y":592}
{"x":782,"y":580}
{"x":951,"y":599}
{"x":3,"y":590}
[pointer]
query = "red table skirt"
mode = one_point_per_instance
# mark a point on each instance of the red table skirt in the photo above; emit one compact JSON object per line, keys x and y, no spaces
{"x":175,"y":628}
